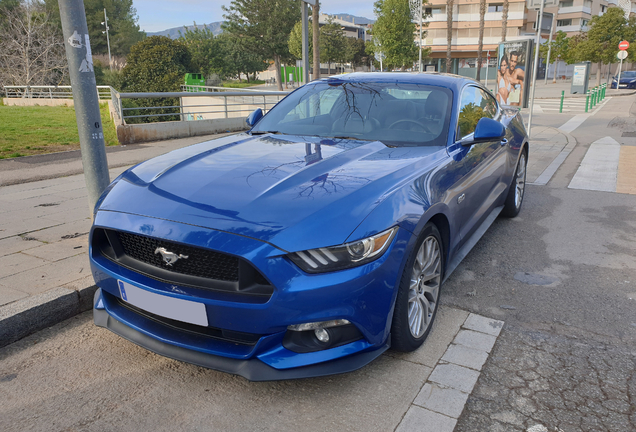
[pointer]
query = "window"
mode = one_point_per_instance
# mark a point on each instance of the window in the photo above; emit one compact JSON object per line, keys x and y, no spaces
{"x":566,"y":3}
{"x":475,"y":104}
{"x":584,"y":22}
{"x":434,"y":11}
{"x":495,"y":7}
{"x":564,"y":22}
{"x":603,"y":8}
{"x":587,"y":4}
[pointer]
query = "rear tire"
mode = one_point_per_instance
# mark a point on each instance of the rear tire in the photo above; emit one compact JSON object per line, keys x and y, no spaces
{"x":418,"y":295}
{"x":517,"y":188}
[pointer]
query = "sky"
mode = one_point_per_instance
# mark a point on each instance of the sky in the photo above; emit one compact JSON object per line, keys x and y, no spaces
{"x":157,"y":15}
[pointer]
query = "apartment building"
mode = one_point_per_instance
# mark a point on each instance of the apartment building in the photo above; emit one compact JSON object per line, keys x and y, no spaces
{"x":571,"y":16}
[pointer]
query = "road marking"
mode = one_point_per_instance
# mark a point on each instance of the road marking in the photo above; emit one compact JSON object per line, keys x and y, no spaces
{"x":626,"y":178}
{"x":547,"y":174}
{"x":573,"y":123}
{"x":599,"y":168}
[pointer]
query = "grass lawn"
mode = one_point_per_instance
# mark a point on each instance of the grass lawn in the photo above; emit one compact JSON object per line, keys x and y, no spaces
{"x":236,"y":84}
{"x":35,"y":130}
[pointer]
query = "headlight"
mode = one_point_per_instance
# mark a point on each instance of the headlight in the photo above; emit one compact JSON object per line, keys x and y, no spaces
{"x":344,"y":256}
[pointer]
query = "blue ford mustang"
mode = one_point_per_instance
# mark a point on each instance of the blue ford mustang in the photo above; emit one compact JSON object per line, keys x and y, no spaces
{"x":315,"y":241}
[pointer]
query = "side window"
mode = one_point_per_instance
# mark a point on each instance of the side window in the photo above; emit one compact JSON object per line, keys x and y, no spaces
{"x":475,"y":104}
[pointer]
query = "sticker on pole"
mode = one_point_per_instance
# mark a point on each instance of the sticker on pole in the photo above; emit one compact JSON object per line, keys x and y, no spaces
{"x":623,"y":45}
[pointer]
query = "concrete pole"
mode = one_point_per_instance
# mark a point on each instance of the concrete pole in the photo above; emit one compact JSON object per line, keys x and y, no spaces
{"x":86,"y":100}
{"x":315,"y":14}
{"x":305,"y":42}
{"x":535,"y":66}
{"x":547,"y":61}
{"x":110,"y":61}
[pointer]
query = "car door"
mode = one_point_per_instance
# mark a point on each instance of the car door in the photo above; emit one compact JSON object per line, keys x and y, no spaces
{"x":480,"y":166}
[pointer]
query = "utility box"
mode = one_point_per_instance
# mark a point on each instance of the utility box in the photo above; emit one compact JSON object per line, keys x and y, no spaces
{"x":194,"y":79}
{"x":580,"y":78}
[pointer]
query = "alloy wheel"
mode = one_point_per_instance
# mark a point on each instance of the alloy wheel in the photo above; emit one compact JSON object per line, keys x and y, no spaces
{"x":424,"y":286}
{"x":520,"y":180}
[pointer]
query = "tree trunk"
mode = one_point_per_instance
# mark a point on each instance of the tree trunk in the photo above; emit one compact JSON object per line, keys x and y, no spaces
{"x":279,"y":81}
{"x":598,"y":73}
{"x":315,"y":16}
{"x":328,"y":68}
{"x":504,"y":20}
{"x":449,"y":33}
{"x":480,"y":48}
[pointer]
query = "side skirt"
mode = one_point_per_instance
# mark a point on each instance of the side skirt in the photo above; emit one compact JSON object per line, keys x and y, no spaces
{"x":472,"y":241}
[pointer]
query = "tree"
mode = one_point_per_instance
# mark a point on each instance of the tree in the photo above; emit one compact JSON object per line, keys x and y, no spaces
{"x":559,"y":49}
{"x":600,"y":43}
{"x":394,"y":30}
{"x":449,"y":33}
{"x":480,"y":48}
{"x":206,"y":50}
{"x":332,"y":44}
{"x":238,"y":58}
{"x":504,"y":20}
{"x":157,"y":64}
{"x":31,"y":46}
{"x":295,"y":42}
{"x":315,"y":17}
{"x":355,"y":51}
{"x":264,"y":26}
{"x":123,"y":30}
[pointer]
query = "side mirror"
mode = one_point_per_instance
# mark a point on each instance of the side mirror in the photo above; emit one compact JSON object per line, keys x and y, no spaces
{"x":253,"y":118}
{"x":486,"y":130}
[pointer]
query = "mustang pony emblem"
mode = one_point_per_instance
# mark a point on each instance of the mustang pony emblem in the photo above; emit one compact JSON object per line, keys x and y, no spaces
{"x":169,"y":257}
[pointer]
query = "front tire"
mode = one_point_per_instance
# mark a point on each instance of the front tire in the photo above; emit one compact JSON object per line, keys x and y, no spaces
{"x":517,"y":189}
{"x":418,"y":295}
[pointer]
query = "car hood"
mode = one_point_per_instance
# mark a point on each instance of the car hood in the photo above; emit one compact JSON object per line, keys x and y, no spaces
{"x":293,"y":192}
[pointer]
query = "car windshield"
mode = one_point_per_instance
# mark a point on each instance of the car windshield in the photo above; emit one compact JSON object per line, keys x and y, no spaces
{"x":397,"y":114}
{"x":629,"y":74}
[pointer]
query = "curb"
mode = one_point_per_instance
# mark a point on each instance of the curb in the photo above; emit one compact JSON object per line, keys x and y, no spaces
{"x":581,"y":96}
{"x":27,"y":316}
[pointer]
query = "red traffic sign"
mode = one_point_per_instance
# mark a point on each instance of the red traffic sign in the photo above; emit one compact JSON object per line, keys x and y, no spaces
{"x":623,"y":45}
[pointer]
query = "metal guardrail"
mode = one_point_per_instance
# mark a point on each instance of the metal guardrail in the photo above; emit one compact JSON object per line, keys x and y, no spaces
{"x":49,"y":92}
{"x":196,"y":89}
{"x":225,"y":104}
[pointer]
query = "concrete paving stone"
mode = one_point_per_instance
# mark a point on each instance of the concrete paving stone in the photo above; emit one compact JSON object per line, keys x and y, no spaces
{"x":445,"y":327}
{"x":30,"y":203}
{"x":443,"y":400}
{"x":45,"y":277}
{"x":422,"y":420}
{"x":17,"y":263}
{"x":457,"y":377}
{"x":476,"y":340}
{"x":8,"y":295}
{"x":483,"y":324}
{"x":57,"y":251}
{"x":56,"y":233}
{"x":464,"y":356}
{"x":15,"y":244}
{"x":26,"y":226}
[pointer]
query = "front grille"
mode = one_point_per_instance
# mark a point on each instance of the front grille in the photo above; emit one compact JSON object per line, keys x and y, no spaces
{"x":199,"y":262}
{"x":203,"y":268}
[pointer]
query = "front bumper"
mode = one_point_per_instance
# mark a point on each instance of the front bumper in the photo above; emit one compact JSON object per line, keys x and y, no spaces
{"x":363,"y":295}
{"x":251,"y":369}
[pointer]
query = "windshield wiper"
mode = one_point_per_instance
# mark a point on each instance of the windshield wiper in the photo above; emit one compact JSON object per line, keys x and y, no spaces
{"x":264,"y":132}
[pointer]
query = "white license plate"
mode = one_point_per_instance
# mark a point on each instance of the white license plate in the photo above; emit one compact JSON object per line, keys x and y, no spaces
{"x":623,"y":85}
{"x":168,"y":307}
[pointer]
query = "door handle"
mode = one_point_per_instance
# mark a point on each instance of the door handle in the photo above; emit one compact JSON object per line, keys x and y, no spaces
{"x":504,"y":141}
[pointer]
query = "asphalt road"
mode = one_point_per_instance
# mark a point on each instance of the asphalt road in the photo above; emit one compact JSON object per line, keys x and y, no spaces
{"x":562,"y":276}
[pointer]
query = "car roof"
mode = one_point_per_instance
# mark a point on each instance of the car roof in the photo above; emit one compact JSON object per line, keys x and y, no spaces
{"x":453,"y":82}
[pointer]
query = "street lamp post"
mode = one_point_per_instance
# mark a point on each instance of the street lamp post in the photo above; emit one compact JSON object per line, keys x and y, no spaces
{"x":305,"y":62}
{"x":416,"y":10}
{"x":105,"y":23}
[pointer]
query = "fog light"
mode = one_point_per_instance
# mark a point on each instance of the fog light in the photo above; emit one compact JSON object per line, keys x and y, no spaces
{"x":322,"y":335}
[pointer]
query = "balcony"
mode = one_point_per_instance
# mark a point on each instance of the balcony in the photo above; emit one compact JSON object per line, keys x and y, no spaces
{"x":575,"y":9}
{"x":570,"y":28}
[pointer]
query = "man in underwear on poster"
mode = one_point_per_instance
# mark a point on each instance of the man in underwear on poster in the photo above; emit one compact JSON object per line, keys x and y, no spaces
{"x":517,"y":76}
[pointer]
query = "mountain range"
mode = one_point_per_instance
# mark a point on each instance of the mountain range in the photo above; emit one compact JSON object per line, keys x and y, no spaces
{"x":215,"y":27}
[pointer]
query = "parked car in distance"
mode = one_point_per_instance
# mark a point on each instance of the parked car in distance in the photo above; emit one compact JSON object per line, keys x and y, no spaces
{"x":318,"y":239}
{"x":628,"y":80}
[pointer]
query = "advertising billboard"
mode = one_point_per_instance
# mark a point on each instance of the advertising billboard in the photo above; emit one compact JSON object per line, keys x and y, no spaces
{"x":514,"y":72}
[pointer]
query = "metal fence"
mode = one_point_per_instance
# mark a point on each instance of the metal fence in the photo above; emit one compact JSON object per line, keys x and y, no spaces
{"x":188,"y":106}
{"x":49,"y":92}
{"x":196,"y":89}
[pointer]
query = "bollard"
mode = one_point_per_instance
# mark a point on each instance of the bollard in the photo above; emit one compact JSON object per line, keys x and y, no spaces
{"x":587,"y":100}
{"x":593,"y":96}
{"x":562,"y":96}
{"x":604,"y":90}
